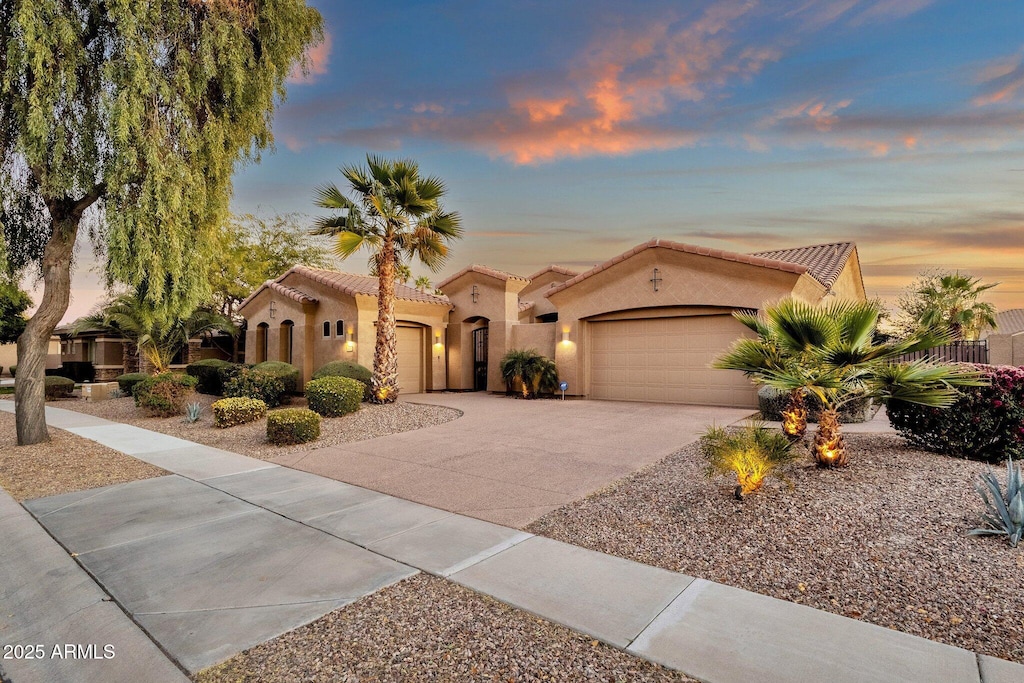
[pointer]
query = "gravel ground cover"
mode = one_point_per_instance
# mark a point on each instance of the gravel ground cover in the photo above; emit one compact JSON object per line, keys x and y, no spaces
{"x":251,"y":439}
{"x":64,"y":464}
{"x":881,"y":541}
{"x":429,"y":629}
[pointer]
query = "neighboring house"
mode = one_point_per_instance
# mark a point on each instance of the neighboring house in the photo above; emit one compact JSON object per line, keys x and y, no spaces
{"x":9,"y":356}
{"x":643,"y":326}
{"x":1006,"y":342}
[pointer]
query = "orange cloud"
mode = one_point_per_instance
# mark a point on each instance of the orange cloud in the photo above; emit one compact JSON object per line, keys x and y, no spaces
{"x":1001,"y":81}
{"x":539,"y":110}
{"x":315,"y":61}
{"x":432,"y":107}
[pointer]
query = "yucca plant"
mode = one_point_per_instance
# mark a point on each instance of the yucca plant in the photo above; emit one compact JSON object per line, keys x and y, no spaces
{"x":1004,"y":514}
{"x":192,"y":412}
{"x":831,"y":350}
{"x":751,"y":453}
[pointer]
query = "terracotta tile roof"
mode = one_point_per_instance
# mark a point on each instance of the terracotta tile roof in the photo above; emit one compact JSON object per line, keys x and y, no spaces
{"x":347,"y":283}
{"x":554,"y":269}
{"x":483,"y":270}
{"x":753,"y":260}
{"x":1009,"y":322}
{"x":824,"y":262}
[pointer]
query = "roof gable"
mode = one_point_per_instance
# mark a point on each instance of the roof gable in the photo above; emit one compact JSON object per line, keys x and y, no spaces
{"x":554,"y":269}
{"x":483,"y":270}
{"x":824,"y":262}
{"x":1010,"y":321}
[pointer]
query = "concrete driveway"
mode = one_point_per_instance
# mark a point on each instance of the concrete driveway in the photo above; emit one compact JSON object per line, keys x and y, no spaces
{"x":510,"y":461}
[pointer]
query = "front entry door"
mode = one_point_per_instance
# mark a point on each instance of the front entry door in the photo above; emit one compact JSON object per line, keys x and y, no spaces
{"x":480,"y":359}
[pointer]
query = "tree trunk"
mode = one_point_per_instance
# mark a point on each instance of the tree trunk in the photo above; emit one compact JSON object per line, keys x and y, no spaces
{"x":794,"y":417}
{"x":385,"y":353}
{"x":829,"y":447}
{"x":33,"y":344}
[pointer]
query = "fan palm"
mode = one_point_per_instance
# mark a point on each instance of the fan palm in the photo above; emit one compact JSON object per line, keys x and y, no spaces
{"x":397,"y":215}
{"x":831,"y":350}
{"x":951,"y":302}
{"x":157,"y":332}
{"x":423,"y":283}
{"x":533,"y":371}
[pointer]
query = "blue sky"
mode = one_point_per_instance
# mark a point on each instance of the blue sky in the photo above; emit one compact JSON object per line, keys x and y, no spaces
{"x":570,"y":131}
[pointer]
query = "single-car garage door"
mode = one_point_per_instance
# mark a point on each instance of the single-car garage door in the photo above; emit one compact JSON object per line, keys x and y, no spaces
{"x":667,"y":360}
{"x":410,"y":360}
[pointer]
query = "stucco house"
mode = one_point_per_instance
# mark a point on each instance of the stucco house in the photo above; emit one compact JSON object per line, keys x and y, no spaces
{"x":1006,"y":342}
{"x":642,"y":326}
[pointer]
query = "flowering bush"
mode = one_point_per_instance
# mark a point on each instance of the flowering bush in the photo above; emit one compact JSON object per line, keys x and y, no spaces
{"x":986,"y":423}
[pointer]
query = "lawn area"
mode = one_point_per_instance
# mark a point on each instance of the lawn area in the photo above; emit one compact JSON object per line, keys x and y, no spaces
{"x":882,"y":541}
{"x":368,"y":422}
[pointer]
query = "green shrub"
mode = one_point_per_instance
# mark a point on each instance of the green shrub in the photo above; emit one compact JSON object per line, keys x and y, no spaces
{"x":334,"y":396}
{"x":292,"y":425}
{"x":212,"y":374}
{"x":237,"y":410}
{"x":58,"y":387}
{"x":751,"y":453}
{"x":13,"y":368}
{"x":126,"y":383}
{"x":344,"y":368}
{"x":251,"y":383}
{"x":288,"y":373}
{"x":533,"y":373}
{"x":986,"y":423}
{"x":164,"y":394}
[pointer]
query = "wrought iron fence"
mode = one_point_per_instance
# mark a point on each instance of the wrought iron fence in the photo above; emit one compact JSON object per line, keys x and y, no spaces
{"x":957,"y":352}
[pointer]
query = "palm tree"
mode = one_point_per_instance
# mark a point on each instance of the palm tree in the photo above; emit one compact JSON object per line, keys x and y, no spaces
{"x":951,"y":302}
{"x":533,"y":371}
{"x":831,"y":350}
{"x":397,"y":215}
{"x":423,"y":283}
{"x":156,"y":332}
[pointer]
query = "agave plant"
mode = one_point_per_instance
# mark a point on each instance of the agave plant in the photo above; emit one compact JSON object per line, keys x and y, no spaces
{"x":1004,"y":515}
{"x":192,"y":412}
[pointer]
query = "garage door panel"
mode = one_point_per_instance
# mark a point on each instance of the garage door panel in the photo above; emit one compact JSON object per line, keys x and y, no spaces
{"x":410,"y":359}
{"x":667,"y":360}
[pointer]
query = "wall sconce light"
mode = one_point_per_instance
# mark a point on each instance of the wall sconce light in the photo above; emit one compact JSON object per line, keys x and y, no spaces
{"x":438,"y":346}
{"x":475,"y":294}
{"x":273,"y":309}
{"x":437,"y":337}
{"x":349,"y":342}
{"x":565,"y":336}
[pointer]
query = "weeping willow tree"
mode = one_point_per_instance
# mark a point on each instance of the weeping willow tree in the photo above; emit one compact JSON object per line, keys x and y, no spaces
{"x":137,"y":113}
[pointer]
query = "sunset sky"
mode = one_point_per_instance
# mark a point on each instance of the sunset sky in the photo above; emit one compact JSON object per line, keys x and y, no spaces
{"x":570,"y":131}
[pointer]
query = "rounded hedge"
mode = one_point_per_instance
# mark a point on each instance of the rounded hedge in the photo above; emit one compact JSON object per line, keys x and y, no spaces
{"x":229,"y":412}
{"x":13,"y":368}
{"x":286,"y":372}
{"x":56,"y":386}
{"x":212,"y":374}
{"x":164,"y":394}
{"x":127,"y":382}
{"x":252,"y":383}
{"x":344,"y":368}
{"x":292,"y":425}
{"x":334,"y":396}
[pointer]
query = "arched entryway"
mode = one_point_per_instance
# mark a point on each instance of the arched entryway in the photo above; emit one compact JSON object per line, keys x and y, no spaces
{"x":286,"y":341}
{"x":262,"y":337}
{"x":480,"y":343}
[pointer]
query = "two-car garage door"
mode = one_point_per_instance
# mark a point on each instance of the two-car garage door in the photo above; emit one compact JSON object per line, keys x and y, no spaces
{"x":667,"y":360}
{"x":410,"y":359}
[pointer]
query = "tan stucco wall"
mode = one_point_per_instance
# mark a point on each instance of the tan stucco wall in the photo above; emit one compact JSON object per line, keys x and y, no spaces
{"x":1006,"y":349}
{"x":9,"y":355}
{"x":536,"y":292}
{"x":850,"y":283}
{"x":687,"y":280}
{"x":538,"y":336}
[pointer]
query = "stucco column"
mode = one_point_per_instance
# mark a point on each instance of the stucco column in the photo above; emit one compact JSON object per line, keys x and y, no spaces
{"x":499,"y":336}
{"x":309,"y":327}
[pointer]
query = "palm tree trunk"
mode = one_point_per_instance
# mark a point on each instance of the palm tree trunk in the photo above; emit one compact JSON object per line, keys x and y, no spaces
{"x":829,"y":448}
{"x":385,"y":354}
{"x":33,"y":344}
{"x":794,"y":417}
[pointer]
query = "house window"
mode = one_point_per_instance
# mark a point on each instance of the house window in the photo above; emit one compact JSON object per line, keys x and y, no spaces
{"x":261,"y":342}
{"x":285,"y":345}
{"x":339,"y":329}
{"x":327,"y":329}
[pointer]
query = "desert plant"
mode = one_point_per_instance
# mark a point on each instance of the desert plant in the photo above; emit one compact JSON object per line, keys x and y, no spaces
{"x":192,"y":412}
{"x":986,"y":423}
{"x":334,"y":396}
{"x":164,"y":395}
{"x":286,"y":372}
{"x":1004,"y":514}
{"x":212,"y":374}
{"x":292,"y":425}
{"x":344,"y":368}
{"x":950,"y":302}
{"x":831,"y":350}
{"x":252,"y":383}
{"x":58,"y":387}
{"x":751,"y":453}
{"x":127,"y":382}
{"x":237,"y":410}
{"x":534,"y":372}
{"x":13,"y":369}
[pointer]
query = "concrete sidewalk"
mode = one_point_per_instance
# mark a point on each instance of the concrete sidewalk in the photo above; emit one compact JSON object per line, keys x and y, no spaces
{"x":212,"y":526}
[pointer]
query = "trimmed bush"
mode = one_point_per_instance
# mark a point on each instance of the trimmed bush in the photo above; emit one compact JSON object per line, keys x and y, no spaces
{"x":286,"y":372}
{"x":334,"y":396}
{"x":251,"y":383}
{"x":212,"y":374}
{"x":985,"y":423}
{"x":292,"y":425}
{"x":238,"y":410}
{"x":13,"y":368}
{"x":126,"y":383}
{"x":344,"y":368}
{"x":58,"y":387}
{"x":165,"y":394}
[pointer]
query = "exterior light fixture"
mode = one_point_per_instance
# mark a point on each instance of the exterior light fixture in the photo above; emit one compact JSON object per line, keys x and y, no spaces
{"x":565,"y":336}
{"x":349,"y":342}
{"x":475,"y":294}
{"x":656,"y":280}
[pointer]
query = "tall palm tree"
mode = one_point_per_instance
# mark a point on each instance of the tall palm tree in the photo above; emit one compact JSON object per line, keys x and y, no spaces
{"x":951,"y":302}
{"x":156,"y":332}
{"x":831,"y":350}
{"x":397,"y":215}
{"x":423,"y":283}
